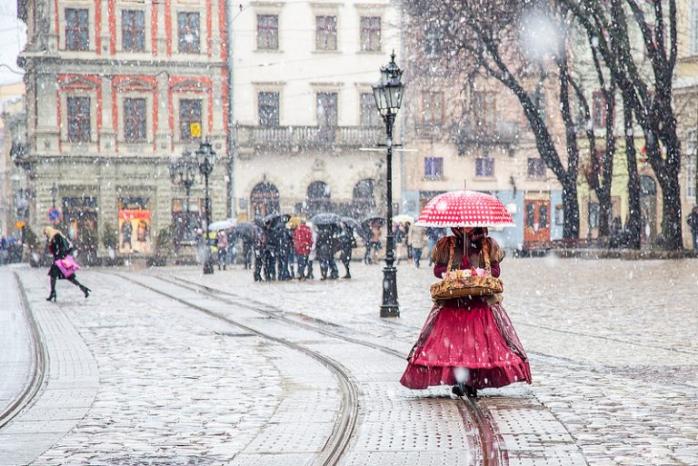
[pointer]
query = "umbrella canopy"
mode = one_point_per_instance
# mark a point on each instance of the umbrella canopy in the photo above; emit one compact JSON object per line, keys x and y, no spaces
{"x":351,"y":223}
{"x":273,"y":219}
{"x":326,"y":218}
{"x":370,"y":220}
{"x":403,"y":218}
{"x":245,"y":229}
{"x":222,"y":224}
{"x":465,"y":209}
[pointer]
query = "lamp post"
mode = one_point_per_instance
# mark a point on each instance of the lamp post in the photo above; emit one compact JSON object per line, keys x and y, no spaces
{"x":388,"y":95}
{"x":183,"y":173}
{"x":54,"y":193}
{"x":206,"y":158}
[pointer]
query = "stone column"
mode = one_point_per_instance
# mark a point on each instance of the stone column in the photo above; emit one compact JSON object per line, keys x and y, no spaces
{"x":163,"y":137}
{"x":107,"y":134}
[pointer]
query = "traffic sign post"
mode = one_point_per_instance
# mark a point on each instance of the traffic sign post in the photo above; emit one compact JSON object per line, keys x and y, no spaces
{"x":54,"y":215}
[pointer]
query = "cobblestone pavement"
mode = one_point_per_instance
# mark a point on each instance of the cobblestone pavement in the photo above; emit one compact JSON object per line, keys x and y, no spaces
{"x":612,"y":343}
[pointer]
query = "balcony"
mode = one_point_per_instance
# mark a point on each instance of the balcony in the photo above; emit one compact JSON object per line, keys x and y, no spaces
{"x":296,"y":138}
{"x":466,"y":134}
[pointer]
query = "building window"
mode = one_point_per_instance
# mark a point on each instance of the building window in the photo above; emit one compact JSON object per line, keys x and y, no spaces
{"x":189,"y":119}
{"x":268,"y":32}
{"x":370,"y":33}
{"x":432,"y":108}
{"x":433,"y":167}
{"x":484,"y":167}
{"x":432,"y":41}
{"x":536,"y":168}
{"x":327,"y":108}
{"x":598,"y":110}
{"x":369,"y":112}
{"x":79,"y":119}
{"x":268,"y":109}
{"x":188,"y":32}
{"x":692,"y":159}
{"x":540,"y":103}
{"x":485,"y":109}
{"x":559,"y":215}
{"x":134,"y":120}
{"x":133,"y":30}
{"x":77,"y":29}
{"x":326,"y":32}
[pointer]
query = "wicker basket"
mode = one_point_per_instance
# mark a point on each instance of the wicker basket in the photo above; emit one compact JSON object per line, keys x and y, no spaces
{"x":462,"y":283}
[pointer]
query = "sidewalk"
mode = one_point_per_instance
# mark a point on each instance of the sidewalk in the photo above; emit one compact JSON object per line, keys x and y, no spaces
{"x":16,"y":355}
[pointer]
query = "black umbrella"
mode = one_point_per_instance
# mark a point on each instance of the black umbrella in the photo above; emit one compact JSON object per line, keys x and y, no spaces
{"x":368,"y":221}
{"x":245,"y":229}
{"x":351,"y":223}
{"x":275,"y":219}
{"x":325,"y":219}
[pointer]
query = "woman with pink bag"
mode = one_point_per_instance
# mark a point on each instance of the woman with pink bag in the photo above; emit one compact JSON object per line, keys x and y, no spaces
{"x":64,"y":265}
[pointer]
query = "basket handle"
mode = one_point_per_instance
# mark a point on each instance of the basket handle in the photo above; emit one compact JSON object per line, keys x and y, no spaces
{"x":451,"y":253}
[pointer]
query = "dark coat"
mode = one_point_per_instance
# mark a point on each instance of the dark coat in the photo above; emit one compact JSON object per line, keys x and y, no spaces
{"x":59,"y":247}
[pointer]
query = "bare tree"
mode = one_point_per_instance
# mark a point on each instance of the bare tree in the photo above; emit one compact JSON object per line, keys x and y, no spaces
{"x":648,"y":93}
{"x":484,"y":34}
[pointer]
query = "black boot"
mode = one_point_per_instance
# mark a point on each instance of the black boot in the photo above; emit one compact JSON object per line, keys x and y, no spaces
{"x":52,"y":295}
{"x":458,"y":390}
{"x":85,"y":290}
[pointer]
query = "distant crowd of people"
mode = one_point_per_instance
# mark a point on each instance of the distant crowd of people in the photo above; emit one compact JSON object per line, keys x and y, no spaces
{"x":10,"y":250}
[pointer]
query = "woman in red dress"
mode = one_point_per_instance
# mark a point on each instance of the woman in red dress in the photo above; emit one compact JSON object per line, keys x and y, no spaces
{"x":469,"y":343}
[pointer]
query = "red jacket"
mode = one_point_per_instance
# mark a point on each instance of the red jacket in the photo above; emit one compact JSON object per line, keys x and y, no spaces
{"x":302,"y":240}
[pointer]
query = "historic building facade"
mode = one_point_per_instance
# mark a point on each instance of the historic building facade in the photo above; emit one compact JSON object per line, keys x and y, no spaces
{"x":304,"y":108}
{"x":114,"y":90}
{"x":13,"y":195}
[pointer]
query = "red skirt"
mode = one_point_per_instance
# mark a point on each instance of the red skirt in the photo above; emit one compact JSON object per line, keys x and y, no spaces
{"x":471,"y":334}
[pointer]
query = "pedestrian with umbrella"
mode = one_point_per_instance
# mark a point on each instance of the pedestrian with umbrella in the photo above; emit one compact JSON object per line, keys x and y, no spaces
{"x":303,"y":244}
{"x":468,"y":340}
{"x":346,"y":244}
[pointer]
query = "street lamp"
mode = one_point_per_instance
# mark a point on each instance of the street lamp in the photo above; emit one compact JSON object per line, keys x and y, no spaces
{"x":206,"y":158}
{"x":183,"y":173}
{"x":388,"y":95}
{"x":54,"y":193}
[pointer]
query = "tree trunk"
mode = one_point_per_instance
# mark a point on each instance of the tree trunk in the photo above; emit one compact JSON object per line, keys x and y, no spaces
{"x":634,"y":224}
{"x":570,"y":205}
{"x":671,"y":212}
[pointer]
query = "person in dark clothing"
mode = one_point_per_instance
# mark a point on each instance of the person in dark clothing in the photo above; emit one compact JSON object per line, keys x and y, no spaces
{"x":60,"y":248}
{"x":347,"y":243}
{"x":324,"y":251}
{"x":259,"y":249}
{"x":284,"y":247}
{"x":692,"y":221}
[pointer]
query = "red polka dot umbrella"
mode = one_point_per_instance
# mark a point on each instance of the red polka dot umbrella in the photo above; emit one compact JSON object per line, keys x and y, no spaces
{"x":465,"y":209}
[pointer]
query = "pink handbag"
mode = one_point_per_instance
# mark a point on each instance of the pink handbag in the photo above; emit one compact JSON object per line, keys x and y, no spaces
{"x":67,"y":265}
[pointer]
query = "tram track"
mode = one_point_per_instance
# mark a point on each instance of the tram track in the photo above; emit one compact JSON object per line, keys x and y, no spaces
{"x":39,"y":363}
{"x":490,"y":441}
{"x":345,"y":422}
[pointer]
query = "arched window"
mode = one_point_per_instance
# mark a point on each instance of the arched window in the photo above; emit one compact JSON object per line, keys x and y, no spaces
{"x":318,"y":197}
{"x":362,"y":198}
{"x":264,"y":200}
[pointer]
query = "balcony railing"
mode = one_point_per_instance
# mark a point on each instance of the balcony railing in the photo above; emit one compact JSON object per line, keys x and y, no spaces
{"x":308,"y":137}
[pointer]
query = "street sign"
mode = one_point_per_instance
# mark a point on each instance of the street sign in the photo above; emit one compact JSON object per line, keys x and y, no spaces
{"x":54,"y":215}
{"x":19,"y":224}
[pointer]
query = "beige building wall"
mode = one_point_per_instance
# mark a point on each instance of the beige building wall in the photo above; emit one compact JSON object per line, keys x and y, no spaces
{"x":291,"y":156}
{"x":11,"y":105}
